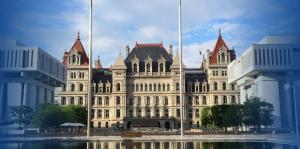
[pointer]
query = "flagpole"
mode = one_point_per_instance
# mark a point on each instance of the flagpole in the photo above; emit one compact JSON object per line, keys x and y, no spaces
{"x":90,"y":74}
{"x":181,"y":81}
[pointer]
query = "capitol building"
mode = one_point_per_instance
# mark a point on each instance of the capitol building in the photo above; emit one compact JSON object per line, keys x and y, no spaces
{"x":141,"y":90}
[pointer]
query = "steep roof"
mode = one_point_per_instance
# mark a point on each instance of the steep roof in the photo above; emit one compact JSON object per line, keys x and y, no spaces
{"x":119,"y":64}
{"x":220,"y":43}
{"x":78,"y":47}
{"x":154,"y":51}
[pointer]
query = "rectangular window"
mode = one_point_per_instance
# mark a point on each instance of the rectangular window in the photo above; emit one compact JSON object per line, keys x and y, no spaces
{"x":118,"y":113}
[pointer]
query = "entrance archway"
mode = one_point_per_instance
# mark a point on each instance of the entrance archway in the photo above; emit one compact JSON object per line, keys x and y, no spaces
{"x":167,"y":125}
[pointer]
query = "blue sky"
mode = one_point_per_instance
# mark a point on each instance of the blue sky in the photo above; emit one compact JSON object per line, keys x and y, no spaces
{"x":53,"y":24}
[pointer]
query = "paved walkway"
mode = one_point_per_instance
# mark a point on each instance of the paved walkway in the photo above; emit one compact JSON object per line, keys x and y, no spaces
{"x":281,"y":139}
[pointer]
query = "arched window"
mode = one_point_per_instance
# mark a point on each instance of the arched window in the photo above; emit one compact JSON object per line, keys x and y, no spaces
{"x":225,"y":99}
{"x":223,"y":58}
{"x":137,"y":87}
{"x":224,"y":85}
{"x":161,"y":67}
{"x":157,"y":113}
{"x":118,"y":87}
{"x":146,"y":87}
{"x":130,"y":113}
{"x":233,"y":100}
{"x":148,"y":67}
{"x":150,"y":87}
{"x":163,"y":87}
{"x":139,"y":113}
{"x":147,"y":101}
{"x":159,"y":87}
{"x":216,"y":100}
{"x":72,"y":87}
{"x":215,"y":86}
{"x":63,"y":100}
{"x":168,"y":87}
{"x":100,"y":101}
{"x":177,"y":86}
{"x":74,"y":59}
{"x":135,"y":68}
{"x":166,"y":100}
{"x":156,"y":100}
{"x":118,"y":100}
{"x":80,"y":101}
{"x":177,"y":99}
{"x":197,"y":100}
{"x":107,"y":101}
{"x":232,"y":87}
{"x":148,"y":113}
{"x":80,"y":87}
{"x":204,"y":102}
{"x":141,"y":87}
{"x":166,"y":113}
{"x":72,"y":101}
{"x":154,"y":87}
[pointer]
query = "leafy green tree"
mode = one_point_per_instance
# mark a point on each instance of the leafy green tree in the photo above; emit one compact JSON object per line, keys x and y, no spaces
{"x":218,"y":115}
{"x":257,"y":113}
{"x":206,"y":117}
{"x":76,"y":114}
{"x":21,"y":115}
{"x":49,"y":115}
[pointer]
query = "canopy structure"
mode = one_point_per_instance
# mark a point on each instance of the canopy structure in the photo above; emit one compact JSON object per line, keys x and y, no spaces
{"x":72,"y":125}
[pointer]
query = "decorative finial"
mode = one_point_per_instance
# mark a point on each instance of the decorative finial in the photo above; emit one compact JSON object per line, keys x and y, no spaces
{"x":98,"y":58}
{"x":78,"y":35}
{"x":220,"y":32}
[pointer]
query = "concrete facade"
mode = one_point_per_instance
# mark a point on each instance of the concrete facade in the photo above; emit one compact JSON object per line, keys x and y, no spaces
{"x":28,"y":76}
{"x":270,"y":70}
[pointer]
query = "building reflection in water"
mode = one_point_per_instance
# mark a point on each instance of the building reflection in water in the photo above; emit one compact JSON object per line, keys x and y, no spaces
{"x":128,"y":144}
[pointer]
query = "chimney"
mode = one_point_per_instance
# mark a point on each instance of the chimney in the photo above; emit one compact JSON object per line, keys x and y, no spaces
{"x":208,"y":54}
{"x":127,"y":50}
{"x":171,"y":50}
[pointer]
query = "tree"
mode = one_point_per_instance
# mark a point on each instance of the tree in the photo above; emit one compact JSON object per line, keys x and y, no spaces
{"x":49,"y":115}
{"x":233,"y":116}
{"x":257,"y":113}
{"x":206,"y":117}
{"x":21,"y":115}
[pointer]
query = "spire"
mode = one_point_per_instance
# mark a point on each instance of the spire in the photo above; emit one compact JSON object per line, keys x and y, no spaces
{"x":78,"y":35}
{"x":176,"y":61}
{"x":98,"y":64}
{"x":119,"y":64}
{"x":220,"y":32}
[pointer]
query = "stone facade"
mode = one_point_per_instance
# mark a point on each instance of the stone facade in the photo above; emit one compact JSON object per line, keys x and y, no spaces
{"x":142,"y":90}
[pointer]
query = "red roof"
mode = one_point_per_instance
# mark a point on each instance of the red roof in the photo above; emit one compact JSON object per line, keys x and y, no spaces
{"x":220,"y":43}
{"x":79,"y":48}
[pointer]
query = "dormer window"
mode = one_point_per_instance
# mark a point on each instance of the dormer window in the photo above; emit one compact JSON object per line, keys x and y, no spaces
{"x":135,"y":69}
{"x":161,"y":67}
{"x":148,"y":67}
{"x":161,"y":64}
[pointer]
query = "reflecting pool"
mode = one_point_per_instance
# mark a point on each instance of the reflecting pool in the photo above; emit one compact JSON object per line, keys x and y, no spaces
{"x":128,"y":144}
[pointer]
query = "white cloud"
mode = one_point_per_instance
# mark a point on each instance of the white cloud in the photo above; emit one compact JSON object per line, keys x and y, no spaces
{"x":117,"y":23}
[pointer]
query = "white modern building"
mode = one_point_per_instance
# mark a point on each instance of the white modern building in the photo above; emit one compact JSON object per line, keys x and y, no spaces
{"x":28,"y":76}
{"x":270,"y":69}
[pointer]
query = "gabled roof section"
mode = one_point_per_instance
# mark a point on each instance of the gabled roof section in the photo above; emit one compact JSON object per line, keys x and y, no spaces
{"x":154,"y":51}
{"x":219,"y":45}
{"x":119,"y":64}
{"x":78,"y":47}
